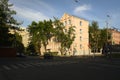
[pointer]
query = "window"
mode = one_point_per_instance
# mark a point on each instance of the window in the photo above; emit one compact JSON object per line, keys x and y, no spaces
{"x":80,"y":23}
{"x":80,"y":31}
{"x":80,"y":46}
{"x":65,"y":23}
{"x":80,"y":38}
{"x":69,"y":22}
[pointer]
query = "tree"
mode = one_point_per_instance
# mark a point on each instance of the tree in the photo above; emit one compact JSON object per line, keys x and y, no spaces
{"x":35,"y":35}
{"x":31,"y":48}
{"x":41,"y":33}
{"x":17,"y":43}
{"x":48,"y":32}
{"x":6,"y":21}
{"x":94,"y":35}
{"x":98,"y":37}
{"x":64,"y":38}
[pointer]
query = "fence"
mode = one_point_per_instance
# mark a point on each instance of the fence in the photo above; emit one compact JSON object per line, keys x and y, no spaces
{"x":7,"y":52}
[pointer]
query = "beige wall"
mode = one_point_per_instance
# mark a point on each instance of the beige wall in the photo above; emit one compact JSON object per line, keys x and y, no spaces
{"x":69,"y":20}
{"x":81,"y":30}
{"x":115,"y":36}
{"x":53,"y":46}
{"x":25,"y":35}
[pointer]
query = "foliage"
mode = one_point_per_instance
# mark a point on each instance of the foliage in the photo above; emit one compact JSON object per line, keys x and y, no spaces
{"x":35,"y":35}
{"x":52,"y":53}
{"x":47,"y":32}
{"x":6,"y":21}
{"x":41,"y":33}
{"x":97,"y":37}
{"x":17,"y":43}
{"x":31,"y":48}
{"x":94,"y":34}
{"x":64,"y":38}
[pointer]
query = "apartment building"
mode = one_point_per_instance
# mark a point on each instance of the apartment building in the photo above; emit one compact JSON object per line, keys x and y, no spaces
{"x":81,"y":41}
{"x":115,"y":36}
{"x":24,"y":33}
{"x":25,"y":36}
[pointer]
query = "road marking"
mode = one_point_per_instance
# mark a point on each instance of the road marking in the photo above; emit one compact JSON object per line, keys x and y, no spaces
{"x":29,"y":65}
{"x":14,"y":66}
{"x":25,"y":65}
{"x":21,"y":65}
{"x":6,"y":67}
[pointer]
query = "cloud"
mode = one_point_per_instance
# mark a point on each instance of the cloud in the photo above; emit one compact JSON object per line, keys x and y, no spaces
{"x":29,"y":10}
{"x":82,"y":11}
{"x":82,"y":8}
{"x":30,"y":14}
{"x":85,"y":11}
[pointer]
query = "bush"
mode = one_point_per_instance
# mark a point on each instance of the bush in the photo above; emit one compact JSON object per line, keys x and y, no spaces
{"x":49,"y":55}
{"x":54,"y":53}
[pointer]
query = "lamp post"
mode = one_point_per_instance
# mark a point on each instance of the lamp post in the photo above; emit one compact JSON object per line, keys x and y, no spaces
{"x":107,"y":25}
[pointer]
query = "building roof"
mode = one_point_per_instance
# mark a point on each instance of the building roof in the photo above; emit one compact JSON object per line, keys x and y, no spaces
{"x":75,"y":16}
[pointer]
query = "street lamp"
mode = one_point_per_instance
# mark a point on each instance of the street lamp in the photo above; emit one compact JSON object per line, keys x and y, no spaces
{"x":107,"y":25}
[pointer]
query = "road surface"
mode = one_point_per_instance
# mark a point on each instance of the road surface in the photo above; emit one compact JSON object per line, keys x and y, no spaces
{"x":60,"y":69}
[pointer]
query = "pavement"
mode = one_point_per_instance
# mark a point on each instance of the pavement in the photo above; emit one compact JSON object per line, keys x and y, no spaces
{"x":60,"y":68}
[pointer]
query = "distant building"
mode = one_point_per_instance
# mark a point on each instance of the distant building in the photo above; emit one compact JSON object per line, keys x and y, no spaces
{"x":25,"y":36}
{"x":81,"y":42}
{"x":115,"y":36}
{"x":24,"y":33}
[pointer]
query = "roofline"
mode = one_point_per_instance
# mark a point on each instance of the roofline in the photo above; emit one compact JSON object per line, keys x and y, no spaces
{"x":76,"y":16}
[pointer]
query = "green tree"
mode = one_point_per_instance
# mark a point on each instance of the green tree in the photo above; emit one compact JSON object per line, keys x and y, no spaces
{"x":41,"y":33}
{"x":6,"y":21}
{"x":105,"y":37}
{"x":94,"y":35}
{"x":17,"y":43}
{"x":65,"y":38}
{"x":48,"y":32}
{"x":98,"y":37}
{"x":35,"y":35}
{"x":59,"y":34}
{"x":31,"y":48}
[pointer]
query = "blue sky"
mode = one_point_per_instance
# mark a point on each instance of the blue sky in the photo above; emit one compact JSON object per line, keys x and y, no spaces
{"x":97,"y":10}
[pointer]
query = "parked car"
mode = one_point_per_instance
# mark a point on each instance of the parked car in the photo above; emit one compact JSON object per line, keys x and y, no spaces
{"x":20,"y":55}
{"x":48,"y":56}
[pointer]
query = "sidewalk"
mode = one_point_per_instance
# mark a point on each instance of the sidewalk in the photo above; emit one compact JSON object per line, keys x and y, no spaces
{"x":3,"y":76}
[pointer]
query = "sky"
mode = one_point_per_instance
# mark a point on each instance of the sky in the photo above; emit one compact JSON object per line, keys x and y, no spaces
{"x":91,"y":10}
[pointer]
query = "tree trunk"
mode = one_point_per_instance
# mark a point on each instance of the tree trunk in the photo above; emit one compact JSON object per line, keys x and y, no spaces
{"x":39,"y":48}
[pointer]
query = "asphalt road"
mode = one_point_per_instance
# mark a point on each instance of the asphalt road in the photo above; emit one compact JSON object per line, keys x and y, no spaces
{"x":60,"y":69}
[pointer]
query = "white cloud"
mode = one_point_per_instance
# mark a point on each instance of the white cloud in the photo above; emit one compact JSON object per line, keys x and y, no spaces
{"x":30,"y":14}
{"x":82,"y":8}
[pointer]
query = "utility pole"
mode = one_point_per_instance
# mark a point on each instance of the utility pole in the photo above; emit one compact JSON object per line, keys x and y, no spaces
{"x":107,"y":31}
{"x":107,"y":26}
{"x":107,"y":35}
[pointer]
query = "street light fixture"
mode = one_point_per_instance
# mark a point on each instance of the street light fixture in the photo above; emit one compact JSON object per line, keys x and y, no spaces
{"x":107,"y":25}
